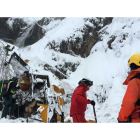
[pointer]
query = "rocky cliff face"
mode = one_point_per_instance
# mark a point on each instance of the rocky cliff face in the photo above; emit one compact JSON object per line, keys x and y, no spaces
{"x":11,"y":33}
{"x":23,"y":34}
{"x":4,"y":29}
{"x":35,"y":33}
{"x":82,"y":45}
{"x":19,"y":32}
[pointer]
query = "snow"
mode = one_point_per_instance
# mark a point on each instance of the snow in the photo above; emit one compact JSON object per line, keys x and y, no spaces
{"x":106,"y":67}
{"x":109,"y":68}
{"x":20,"y":41}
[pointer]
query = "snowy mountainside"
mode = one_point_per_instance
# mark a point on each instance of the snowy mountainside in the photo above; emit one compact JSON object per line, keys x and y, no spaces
{"x":106,"y":63}
{"x":107,"y":67}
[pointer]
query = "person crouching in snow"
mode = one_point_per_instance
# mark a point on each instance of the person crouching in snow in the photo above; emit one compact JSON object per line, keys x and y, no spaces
{"x":79,"y":101}
{"x":130,"y":108}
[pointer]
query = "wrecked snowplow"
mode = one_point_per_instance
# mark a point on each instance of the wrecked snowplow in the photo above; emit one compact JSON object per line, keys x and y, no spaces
{"x":37,"y":94}
{"x":53,"y":111}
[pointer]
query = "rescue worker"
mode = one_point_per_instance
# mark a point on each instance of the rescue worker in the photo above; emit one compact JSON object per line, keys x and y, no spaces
{"x":130,"y":108}
{"x":7,"y":49}
{"x":8,"y":101}
{"x":79,"y":101}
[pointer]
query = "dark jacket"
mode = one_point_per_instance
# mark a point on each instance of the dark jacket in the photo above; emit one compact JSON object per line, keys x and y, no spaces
{"x":12,"y":88}
{"x":8,"y":48}
{"x":79,"y":100}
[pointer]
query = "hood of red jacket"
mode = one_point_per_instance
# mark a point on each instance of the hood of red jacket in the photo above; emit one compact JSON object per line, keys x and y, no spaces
{"x":131,"y":74}
{"x":85,"y":87}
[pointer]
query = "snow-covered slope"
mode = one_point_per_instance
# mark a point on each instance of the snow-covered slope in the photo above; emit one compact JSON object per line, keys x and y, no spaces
{"x":106,"y":65}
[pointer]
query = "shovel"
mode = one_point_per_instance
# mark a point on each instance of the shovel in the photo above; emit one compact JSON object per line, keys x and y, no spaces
{"x":95,"y":115}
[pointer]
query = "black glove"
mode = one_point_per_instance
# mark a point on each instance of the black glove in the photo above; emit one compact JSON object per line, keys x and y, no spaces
{"x":6,"y":63}
{"x":92,"y":103}
{"x":18,"y":87}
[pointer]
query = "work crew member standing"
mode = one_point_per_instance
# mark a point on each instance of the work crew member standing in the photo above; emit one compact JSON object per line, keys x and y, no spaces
{"x":130,"y":108}
{"x":79,"y":101}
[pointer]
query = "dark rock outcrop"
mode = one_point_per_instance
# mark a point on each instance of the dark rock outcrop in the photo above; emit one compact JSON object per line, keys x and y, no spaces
{"x":11,"y":34}
{"x":112,"y":38}
{"x":18,"y":28}
{"x":61,"y":70}
{"x":36,"y":33}
{"x":82,"y":46}
{"x":5,"y":30}
{"x":56,"y":72}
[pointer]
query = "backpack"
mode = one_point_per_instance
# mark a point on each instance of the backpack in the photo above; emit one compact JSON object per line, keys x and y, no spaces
{"x":137,"y":103}
{"x":137,"y":76}
{"x":3,"y":87}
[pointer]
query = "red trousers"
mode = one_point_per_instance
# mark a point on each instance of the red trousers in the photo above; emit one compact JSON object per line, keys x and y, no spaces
{"x":79,"y":118}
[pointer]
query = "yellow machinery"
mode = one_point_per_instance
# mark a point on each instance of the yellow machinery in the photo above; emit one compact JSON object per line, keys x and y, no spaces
{"x":30,"y":83}
{"x":44,"y":112}
{"x":91,"y":121}
{"x":44,"y":109}
{"x":52,"y":108}
{"x":24,"y":83}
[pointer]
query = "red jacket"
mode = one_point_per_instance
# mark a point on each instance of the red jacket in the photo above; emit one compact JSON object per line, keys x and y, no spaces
{"x":131,"y":96}
{"x":79,"y":100}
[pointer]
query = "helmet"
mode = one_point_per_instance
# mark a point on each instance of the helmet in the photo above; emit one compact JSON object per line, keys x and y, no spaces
{"x":86,"y":81}
{"x":14,"y":79}
{"x":134,"y":59}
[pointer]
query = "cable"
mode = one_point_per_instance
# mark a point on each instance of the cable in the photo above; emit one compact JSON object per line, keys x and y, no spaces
{"x":38,"y":24}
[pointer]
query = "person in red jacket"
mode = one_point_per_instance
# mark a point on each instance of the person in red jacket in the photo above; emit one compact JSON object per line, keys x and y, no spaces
{"x":130,"y":108}
{"x":79,"y":101}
